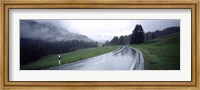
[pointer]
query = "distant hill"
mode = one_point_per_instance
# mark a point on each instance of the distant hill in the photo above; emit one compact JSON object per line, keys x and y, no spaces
{"x":31,"y":29}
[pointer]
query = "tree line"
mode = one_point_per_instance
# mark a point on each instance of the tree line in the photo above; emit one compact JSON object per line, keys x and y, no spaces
{"x":138,"y":36}
{"x":31,"y":50}
{"x":153,"y":35}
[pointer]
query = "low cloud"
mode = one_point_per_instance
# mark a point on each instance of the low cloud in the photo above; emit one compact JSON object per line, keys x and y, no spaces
{"x":102,"y":30}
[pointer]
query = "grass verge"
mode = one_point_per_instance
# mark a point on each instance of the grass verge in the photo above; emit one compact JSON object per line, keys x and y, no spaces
{"x":52,"y":60}
{"x":162,"y":53}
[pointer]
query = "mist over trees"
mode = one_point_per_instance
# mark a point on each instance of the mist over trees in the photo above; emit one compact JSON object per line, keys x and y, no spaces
{"x":41,"y":39}
{"x":32,"y":29}
{"x":31,"y":50}
{"x":139,"y":36}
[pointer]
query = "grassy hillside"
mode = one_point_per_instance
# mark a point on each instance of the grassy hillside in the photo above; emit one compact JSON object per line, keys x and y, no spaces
{"x":52,"y":60}
{"x":162,"y":53}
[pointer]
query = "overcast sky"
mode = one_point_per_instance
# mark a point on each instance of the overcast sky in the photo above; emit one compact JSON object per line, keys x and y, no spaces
{"x":101,"y":30}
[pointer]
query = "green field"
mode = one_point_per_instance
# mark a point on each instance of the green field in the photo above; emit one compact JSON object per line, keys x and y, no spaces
{"x":52,"y":60}
{"x":162,"y":53}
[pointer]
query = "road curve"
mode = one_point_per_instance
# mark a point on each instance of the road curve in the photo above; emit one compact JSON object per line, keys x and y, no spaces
{"x":124,"y":58}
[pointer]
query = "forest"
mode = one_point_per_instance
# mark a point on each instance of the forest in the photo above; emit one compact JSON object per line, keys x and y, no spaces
{"x":138,"y":36}
{"x":31,"y":50}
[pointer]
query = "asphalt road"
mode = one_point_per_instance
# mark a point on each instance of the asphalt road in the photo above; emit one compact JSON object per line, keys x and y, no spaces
{"x":124,"y":58}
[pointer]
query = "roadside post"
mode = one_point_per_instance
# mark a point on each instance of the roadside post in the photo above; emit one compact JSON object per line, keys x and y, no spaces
{"x":59,"y":62}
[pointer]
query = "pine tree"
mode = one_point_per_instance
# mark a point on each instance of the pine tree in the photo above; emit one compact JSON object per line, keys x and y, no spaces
{"x":137,"y":36}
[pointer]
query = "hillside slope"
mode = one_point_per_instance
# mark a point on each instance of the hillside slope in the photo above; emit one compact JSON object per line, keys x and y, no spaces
{"x":48,"y":32}
{"x":162,"y":53}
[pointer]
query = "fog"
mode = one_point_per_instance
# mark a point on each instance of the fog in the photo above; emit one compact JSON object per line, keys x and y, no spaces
{"x":102,"y":30}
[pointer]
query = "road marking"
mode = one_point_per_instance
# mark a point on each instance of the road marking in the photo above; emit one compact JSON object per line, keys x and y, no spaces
{"x":100,"y":61}
{"x":139,"y":57}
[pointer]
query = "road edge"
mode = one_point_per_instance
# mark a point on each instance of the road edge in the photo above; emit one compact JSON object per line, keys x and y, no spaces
{"x":141,"y":57}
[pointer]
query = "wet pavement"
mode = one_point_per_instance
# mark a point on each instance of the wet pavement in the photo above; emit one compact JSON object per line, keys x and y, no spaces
{"x":124,"y":58}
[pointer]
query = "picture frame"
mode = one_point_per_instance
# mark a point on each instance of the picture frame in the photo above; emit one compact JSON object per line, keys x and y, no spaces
{"x":6,"y":84}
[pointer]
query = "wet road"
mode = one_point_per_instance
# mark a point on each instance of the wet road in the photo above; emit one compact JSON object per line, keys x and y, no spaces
{"x":124,"y":58}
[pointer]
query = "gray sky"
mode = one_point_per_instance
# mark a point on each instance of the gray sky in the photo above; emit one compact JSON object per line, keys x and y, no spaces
{"x":101,"y":30}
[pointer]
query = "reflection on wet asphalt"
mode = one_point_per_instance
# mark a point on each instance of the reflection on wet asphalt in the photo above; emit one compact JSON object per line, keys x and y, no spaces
{"x":120,"y":59}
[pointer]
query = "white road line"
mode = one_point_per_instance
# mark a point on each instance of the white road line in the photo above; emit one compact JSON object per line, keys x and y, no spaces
{"x":138,"y":56}
{"x":100,"y":61}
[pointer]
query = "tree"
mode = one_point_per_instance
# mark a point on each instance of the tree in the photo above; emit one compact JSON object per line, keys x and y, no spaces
{"x":122,"y":40}
{"x":137,"y":36}
{"x":115,"y":41}
{"x":153,"y":36}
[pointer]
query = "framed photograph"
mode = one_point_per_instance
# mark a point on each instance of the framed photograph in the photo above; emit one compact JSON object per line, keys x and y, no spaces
{"x":100,"y":44}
